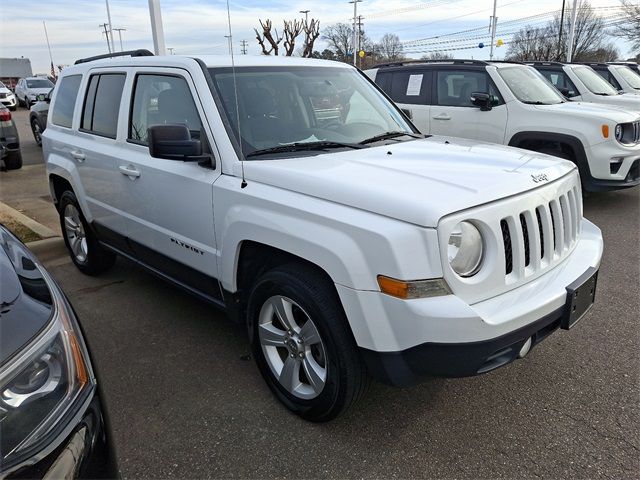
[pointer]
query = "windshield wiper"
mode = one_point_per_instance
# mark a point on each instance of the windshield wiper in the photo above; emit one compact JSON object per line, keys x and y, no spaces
{"x":302,"y":146}
{"x":388,"y":135}
{"x":538,"y":102}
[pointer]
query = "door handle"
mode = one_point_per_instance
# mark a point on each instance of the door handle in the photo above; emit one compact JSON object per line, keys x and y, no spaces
{"x":442,"y":116}
{"x":129,"y":171}
{"x":78,"y":155}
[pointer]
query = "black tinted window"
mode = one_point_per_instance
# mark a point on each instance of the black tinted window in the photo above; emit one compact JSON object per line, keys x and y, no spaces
{"x":560,"y":80}
{"x":102,"y":104}
{"x":454,"y":87}
{"x":66,"y":100}
{"x":159,"y":100}
{"x":410,"y":86}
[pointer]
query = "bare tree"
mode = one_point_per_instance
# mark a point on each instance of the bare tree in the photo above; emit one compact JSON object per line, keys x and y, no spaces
{"x":311,"y":34}
{"x":542,"y":43}
{"x":630,"y":29}
{"x":340,"y":40}
{"x":268,"y":37}
{"x":292,"y":29}
{"x":390,"y":47}
{"x":437,"y":56}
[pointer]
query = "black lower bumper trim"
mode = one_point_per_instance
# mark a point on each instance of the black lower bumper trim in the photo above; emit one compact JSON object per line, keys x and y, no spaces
{"x":632,"y":179}
{"x":411,"y":366}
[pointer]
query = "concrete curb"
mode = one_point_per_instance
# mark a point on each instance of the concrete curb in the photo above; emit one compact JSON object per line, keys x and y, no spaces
{"x":30,"y":223}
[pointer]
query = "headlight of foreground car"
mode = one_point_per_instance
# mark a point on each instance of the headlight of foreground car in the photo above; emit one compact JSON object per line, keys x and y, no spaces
{"x":44,"y":385}
{"x":465,"y":249}
{"x":628,"y":133}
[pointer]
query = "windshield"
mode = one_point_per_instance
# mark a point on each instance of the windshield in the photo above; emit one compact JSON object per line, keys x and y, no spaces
{"x":39,"y":83}
{"x":630,"y":76}
{"x":529,"y":86}
{"x":594,"y":82}
{"x":301,"y":106}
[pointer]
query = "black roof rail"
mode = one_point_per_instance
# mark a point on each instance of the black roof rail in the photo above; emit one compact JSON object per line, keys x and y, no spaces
{"x":595,"y":64}
{"x":622,"y":63}
{"x":543,"y":62}
{"x":132,"y":53}
{"x":447,"y":61}
{"x":507,"y":61}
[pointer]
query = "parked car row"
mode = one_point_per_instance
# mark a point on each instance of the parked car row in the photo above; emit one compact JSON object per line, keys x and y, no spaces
{"x":520,"y":106}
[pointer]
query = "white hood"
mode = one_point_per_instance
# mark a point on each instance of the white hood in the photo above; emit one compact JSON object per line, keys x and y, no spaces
{"x":627,"y":101}
{"x":598,"y":111}
{"x":417,"y":181}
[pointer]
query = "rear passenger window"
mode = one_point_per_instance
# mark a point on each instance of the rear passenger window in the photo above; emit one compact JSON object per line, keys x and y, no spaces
{"x":454,"y":87}
{"x":102,"y":104}
{"x":63,"y":108}
{"x":160,"y":100}
{"x":410,"y":86}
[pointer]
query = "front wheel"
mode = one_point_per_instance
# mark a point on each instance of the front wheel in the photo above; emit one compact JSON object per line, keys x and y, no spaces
{"x":84,"y":248}
{"x":13,"y":160}
{"x":302,"y":343}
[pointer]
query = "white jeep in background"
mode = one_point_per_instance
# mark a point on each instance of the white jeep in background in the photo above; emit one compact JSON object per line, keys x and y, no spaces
{"x":293,"y":194}
{"x":512,"y":104}
{"x":581,"y":83}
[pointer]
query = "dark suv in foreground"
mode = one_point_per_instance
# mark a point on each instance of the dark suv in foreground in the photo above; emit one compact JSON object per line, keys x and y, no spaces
{"x":52,"y":420}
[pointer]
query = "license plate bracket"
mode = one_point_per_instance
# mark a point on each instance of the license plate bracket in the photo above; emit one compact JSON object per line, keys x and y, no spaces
{"x":580,"y":297}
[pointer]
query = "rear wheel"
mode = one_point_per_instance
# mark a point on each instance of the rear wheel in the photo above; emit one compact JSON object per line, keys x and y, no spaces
{"x":84,"y":248}
{"x":13,"y":160}
{"x":37,"y":132}
{"x":302,"y":343}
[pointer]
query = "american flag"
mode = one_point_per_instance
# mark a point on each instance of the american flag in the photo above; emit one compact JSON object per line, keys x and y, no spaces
{"x":53,"y":71}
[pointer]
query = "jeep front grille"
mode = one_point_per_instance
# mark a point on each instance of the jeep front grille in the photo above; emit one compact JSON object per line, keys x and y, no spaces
{"x":539,"y":236}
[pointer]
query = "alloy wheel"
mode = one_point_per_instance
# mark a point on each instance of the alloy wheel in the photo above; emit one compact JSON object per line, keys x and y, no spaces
{"x":292,"y":347}
{"x":75,"y":233}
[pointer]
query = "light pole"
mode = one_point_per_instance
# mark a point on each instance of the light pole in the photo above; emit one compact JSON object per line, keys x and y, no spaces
{"x":572,"y":31}
{"x":120,"y":30}
{"x":156,"y":27}
{"x":494,"y":24}
{"x":306,"y":15}
{"x":355,"y":30}
{"x":113,"y":47}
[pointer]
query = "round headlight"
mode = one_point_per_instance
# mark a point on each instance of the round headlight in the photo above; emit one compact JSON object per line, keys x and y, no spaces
{"x":618,"y":132}
{"x":465,"y":249}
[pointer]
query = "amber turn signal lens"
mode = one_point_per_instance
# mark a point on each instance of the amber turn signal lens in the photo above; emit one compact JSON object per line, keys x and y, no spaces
{"x":605,"y":131}
{"x":407,"y":290}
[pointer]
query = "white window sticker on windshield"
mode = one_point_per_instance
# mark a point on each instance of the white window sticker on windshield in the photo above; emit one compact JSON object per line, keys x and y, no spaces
{"x":413,"y":87}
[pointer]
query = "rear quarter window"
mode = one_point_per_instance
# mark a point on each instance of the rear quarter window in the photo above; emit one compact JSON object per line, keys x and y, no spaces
{"x":64,"y":106}
{"x":102,"y":104}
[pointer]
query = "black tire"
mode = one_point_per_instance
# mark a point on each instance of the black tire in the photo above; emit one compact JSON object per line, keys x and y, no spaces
{"x":96,"y":259}
{"x":14,"y":108}
{"x":346,"y":375}
{"x":13,"y":160}
{"x":37,"y":131}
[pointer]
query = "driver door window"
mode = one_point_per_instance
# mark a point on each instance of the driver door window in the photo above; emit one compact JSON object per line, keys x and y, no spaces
{"x":162,"y":100}
{"x":560,"y":81}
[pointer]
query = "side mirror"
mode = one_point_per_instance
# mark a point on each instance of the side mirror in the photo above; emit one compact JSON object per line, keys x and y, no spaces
{"x":173,"y":142}
{"x":482,"y":100}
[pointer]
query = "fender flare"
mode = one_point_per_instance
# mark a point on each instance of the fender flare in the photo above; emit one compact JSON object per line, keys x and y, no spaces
{"x":580,"y":155}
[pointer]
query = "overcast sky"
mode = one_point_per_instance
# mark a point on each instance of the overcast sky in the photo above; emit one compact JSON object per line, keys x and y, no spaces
{"x":199,"y":26}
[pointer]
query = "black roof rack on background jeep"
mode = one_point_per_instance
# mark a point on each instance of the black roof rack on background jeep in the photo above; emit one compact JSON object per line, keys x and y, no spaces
{"x":132,"y":53}
{"x":444,"y":60}
{"x":542,"y":62}
{"x":595,"y":64}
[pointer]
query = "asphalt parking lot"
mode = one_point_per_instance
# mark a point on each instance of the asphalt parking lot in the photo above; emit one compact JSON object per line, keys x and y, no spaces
{"x":185,"y":401}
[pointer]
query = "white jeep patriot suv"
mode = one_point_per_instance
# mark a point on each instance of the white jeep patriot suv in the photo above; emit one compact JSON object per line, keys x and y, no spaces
{"x":512,"y":104}
{"x":291,"y":192}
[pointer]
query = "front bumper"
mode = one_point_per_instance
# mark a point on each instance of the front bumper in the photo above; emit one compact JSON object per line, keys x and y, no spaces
{"x":405,"y":340}
{"x":612,"y":167}
{"x":86,"y":452}
{"x":9,"y":101}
